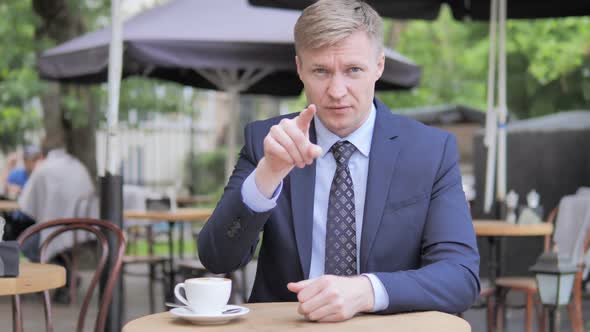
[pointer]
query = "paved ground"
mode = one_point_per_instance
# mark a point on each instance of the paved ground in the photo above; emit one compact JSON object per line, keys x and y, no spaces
{"x":137,"y":306}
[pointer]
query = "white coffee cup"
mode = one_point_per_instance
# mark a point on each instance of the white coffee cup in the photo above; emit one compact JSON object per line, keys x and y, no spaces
{"x":204,"y":295}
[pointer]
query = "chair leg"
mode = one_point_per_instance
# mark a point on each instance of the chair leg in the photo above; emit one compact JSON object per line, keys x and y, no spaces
{"x":500,"y":300}
{"x":528,"y":327}
{"x":17,"y":317}
{"x":151,"y":289}
{"x":47,"y":306}
{"x":577,"y":319}
{"x":490,"y":314}
{"x":543,"y":320}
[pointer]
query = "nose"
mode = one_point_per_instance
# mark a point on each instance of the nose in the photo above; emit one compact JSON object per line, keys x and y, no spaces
{"x":337,"y":87}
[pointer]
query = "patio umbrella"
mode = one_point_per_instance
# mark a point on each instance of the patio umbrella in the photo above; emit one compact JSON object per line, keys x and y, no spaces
{"x":474,"y":9}
{"x":221,"y":44}
{"x":496,"y":11}
{"x":226,"y":45}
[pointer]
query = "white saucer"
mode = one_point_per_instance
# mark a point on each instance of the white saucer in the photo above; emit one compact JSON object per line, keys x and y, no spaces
{"x":209,"y":319}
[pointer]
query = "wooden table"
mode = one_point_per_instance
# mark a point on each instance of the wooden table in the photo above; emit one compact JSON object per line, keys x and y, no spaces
{"x":501,"y":228}
{"x":7,"y":206}
{"x":495,"y":229}
{"x":32,"y":278}
{"x":269,"y":317}
{"x":178,"y":216}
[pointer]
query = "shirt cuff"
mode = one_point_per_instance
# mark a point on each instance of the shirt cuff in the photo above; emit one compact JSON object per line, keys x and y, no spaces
{"x":381,"y":298}
{"x":254,"y":199}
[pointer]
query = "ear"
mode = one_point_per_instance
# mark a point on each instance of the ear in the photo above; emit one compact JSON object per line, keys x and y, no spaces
{"x":380,"y":65}
{"x":299,"y":66}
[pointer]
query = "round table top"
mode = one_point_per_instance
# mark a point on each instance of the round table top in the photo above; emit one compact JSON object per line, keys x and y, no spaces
{"x":8,"y":205}
{"x":265,"y":317}
{"x":502,"y":228}
{"x":180,"y":215}
{"x":34,"y":277}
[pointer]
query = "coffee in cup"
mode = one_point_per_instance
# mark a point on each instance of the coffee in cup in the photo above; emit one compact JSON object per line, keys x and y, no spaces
{"x":205,"y":295}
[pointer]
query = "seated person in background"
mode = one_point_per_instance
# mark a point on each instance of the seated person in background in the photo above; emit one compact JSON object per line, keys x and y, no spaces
{"x":17,"y":178}
{"x":362,"y":210}
{"x":9,"y":166}
{"x":15,"y":181}
{"x":54,"y":191}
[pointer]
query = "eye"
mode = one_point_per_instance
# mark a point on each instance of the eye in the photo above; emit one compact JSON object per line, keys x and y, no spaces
{"x":319,"y":71}
{"x":356,"y":69}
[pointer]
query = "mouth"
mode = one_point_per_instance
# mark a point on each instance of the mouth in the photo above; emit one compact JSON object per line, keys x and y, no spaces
{"x":339,"y":109}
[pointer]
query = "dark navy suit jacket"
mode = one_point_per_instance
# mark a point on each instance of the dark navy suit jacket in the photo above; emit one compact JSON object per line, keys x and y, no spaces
{"x":417,"y":233}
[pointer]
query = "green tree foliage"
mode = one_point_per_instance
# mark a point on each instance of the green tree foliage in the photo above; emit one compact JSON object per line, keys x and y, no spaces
{"x":18,"y":79}
{"x":548,"y":63}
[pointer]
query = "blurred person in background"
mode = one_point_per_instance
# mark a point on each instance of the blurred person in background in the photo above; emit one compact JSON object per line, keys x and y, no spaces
{"x":55,"y":191}
{"x":18,"y":176}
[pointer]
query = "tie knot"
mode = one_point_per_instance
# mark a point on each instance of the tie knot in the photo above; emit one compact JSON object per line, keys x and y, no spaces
{"x":342,"y":152}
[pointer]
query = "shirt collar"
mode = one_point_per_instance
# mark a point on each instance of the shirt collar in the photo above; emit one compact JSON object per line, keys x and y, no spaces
{"x":56,"y":153}
{"x":360,"y":138}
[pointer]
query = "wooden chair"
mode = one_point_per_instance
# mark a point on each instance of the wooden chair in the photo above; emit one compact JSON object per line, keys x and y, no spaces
{"x":102,"y":230}
{"x":153,"y":262}
{"x":528,"y":286}
{"x":487,"y":294}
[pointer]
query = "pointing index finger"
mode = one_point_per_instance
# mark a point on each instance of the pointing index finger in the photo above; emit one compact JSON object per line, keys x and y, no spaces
{"x":304,"y":119}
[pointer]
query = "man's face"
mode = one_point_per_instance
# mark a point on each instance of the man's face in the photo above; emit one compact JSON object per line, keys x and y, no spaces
{"x":340,"y":81}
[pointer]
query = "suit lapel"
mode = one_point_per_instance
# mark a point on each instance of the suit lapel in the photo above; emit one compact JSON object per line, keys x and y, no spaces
{"x":385,"y":147}
{"x":302,"y":195}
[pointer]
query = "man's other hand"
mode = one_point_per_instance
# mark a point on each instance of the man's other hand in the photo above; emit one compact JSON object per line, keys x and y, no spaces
{"x":333,"y":299}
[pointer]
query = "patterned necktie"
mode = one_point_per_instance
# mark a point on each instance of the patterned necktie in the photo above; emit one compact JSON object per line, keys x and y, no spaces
{"x":340,"y":226}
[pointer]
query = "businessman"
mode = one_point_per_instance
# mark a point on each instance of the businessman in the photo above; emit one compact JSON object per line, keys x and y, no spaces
{"x":361,"y":210}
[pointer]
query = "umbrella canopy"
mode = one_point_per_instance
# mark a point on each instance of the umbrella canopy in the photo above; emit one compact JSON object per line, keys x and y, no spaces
{"x":225,"y":45}
{"x":474,"y":9}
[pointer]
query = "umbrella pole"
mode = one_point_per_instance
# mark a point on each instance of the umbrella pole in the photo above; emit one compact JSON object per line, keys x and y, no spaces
{"x":234,"y":118}
{"x":111,"y":189}
{"x":503,"y":107}
{"x":490,"y":132}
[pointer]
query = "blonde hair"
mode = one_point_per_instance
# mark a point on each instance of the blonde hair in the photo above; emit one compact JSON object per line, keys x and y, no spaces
{"x":327,"y":22}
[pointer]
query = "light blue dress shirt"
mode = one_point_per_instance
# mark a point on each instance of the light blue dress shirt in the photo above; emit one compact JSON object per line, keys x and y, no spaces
{"x":325,"y":169}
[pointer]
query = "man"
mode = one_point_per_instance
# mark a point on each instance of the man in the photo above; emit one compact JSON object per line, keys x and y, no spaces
{"x":346,"y":188}
{"x":17,"y":178}
{"x":60,"y":187}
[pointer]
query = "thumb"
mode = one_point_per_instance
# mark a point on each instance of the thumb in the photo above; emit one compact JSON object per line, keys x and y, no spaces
{"x":296,"y":287}
{"x":304,"y":118}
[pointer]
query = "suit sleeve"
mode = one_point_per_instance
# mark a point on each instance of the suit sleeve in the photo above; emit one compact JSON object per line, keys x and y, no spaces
{"x":447,"y":279}
{"x":229,"y":238}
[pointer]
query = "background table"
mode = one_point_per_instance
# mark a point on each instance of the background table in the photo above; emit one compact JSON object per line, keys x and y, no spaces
{"x":34,"y":277}
{"x":180,"y":215}
{"x":494,"y":229}
{"x":269,"y":317}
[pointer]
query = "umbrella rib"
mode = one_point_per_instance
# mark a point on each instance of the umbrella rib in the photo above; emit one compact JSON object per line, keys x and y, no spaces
{"x":212,"y":76}
{"x":248,"y":81}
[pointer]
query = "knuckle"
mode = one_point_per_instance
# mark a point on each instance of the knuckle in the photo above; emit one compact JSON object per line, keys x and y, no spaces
{"x":339,"y":304}
{"x":274,"y":130}
{"x":332,"y":294}
{"x":300,"y":298}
